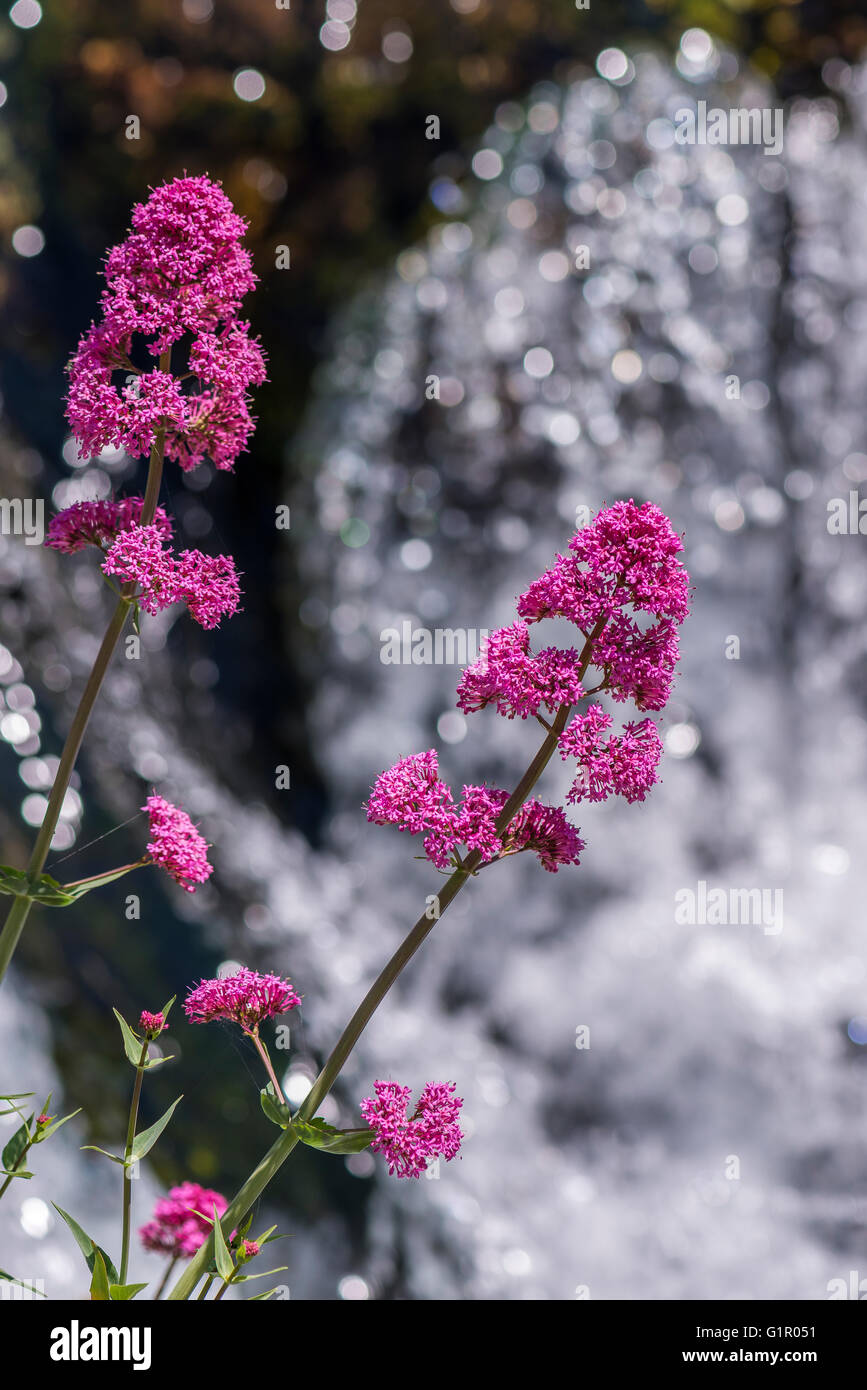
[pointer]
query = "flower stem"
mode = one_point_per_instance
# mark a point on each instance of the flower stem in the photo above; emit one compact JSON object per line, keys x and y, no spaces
{"x":166,"y":1277}
{"x":20,"y":909}
{"x":263,"y":1053}
{"x":282,"y":1148}
{"x":205,"y":1287}
{"x":127,"y":1153}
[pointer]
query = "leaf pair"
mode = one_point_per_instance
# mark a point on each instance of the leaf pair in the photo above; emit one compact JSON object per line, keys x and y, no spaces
{"x":317,"y":1134}
{"x":47,"y":891}
{"x":143,"y":1142}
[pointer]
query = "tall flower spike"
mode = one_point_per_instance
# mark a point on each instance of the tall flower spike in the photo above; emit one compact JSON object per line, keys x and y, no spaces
{"x":181,"y":273}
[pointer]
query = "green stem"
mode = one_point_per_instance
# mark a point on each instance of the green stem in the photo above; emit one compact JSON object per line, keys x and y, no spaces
{"x":205,"y":1287}
{"x":20,"y":909}
{"x":130,"y":1140}
{"x":263,"y":1053}
{"x":222,"y":1290}
{"x":165,"y":1279}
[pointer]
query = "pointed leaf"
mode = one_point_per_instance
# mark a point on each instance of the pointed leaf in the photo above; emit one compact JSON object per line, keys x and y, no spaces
{"x":22,"y":1283}
{"x":278,"y":1114}
{"x":225,"y":1264}
{"x":99,"y":1290}
{"x":242,"y":1278}
{"x":94,"y":1148}
{"x":13,"y":881}
{"x":132,"y":1045}
{"x":123,"y":1292}
{"x":74,"y":891}
{"x":158,"y":1061}
{"x":166,"y":1008}
{"x":144,"y":1142}
{"x":56,"y":1125}
{"x":320,"y":1135}
{"x":16,"y":1146}
{"x":87,"y":1247}
{"x":257,"y":1297}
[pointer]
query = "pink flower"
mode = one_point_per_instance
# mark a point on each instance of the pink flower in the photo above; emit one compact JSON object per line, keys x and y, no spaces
{"x":207,"y":584}
{"x":179,"y":1226}
{"x":409,"y":1142}
{"x":181,"y":273}
{"x":627,"y":555}
{"x":518,"y":683}
{"x":99,"y":523}
{"x":250,"y":1249}
{"x":245,"y":998}
{"x":412,"y":797}
{"x":176,"y":845}
{"x":152,"y":1024}
{"x":140,"y":556}
{"x":622,"y":765}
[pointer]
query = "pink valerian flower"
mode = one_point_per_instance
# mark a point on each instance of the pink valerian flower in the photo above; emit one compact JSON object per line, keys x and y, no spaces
{"x":411,"y":796}
{"x":627,"y":555}
{"x":207,"y":584}
{"x":179,"y":1227}
{"x":181,"y":271}
{"x":99,"y":523}
{"x":623,"y":764}
{"x":409,"y":1142}
{"x":638,"y":665}
{"x":176,"y":845}
{"x":508,"y":676}
{"x":249,"y":1249}
{"x":245,"y":998}
{"x":152,"y":1024}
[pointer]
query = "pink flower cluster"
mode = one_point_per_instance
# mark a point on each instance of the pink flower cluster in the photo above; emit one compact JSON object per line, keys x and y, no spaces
{"x":408,"y":1142}
{"x":516,"y":682}
{"x":181,"y":271}
{"x":152,"y":1024}
{"x":622,"y":765}
{"x":625,"y":562}
{"x":207,"y":584}
{"x":99,"y":523}
{"x":176,"y":845}
{"x":411,"y":796}
{"x":245,"y":998}
{"x":179,"y":1227}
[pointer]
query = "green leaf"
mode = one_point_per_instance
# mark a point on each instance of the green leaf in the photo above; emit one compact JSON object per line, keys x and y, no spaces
{"x":257,"y":1297}
{"x":13,"y":881}
{"x":88,"y":1248}
{"x":320,"y":1135}
{"x":74,"y":891}
{"x":16,"y":1146}
{"x":56,"y":1125}
{"x":144,"y":1142}
{"x":94,"y":1148}
{"x":19,"y":1173}
{"x":18,"y":1095}
{"x":158,"y":1061}
{"x":225,"y":1265}
{"x":166,"y":1008}
{"x":132,"y":1045}
{"x":242,"y":1278}
{"x":123,"y":1292}
{"x":50,"y":893}
{"x":99,"y":1290}
{"x":20,"y":1282}
{"x":278,"y":1114}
